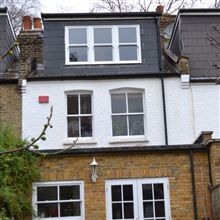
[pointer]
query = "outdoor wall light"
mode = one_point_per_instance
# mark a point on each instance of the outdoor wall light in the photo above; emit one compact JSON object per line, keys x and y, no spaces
{"x":93,"y":167}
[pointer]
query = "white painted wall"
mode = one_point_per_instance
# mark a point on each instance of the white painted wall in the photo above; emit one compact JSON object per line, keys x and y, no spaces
{"x":183,"y":124}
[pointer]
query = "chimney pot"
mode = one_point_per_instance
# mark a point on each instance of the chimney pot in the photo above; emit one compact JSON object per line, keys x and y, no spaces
{"x":37,"y":23}
{"x":160,"y":9}
{"x":27,"y":23}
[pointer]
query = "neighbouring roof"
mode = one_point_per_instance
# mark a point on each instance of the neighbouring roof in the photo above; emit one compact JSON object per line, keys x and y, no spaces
{"x":190,"y":38}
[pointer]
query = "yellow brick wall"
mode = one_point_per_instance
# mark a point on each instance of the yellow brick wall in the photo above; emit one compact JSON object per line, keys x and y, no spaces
{"x":175,"y":166}
{"x":10,"y":106}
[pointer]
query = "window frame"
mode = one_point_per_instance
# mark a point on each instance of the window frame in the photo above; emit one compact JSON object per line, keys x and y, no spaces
{"x":137,"y":194}
{"x":78,"y":93}
{"x":127,"y":91}
{"x":91,"y":44}
{"x":58,"y":184}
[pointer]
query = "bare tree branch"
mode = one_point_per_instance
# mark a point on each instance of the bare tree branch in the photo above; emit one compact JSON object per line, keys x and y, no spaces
{"x":9,"y":51}
{"x":33,"y":140}
{"x":57,"y":152}
{"x":18,"y":8}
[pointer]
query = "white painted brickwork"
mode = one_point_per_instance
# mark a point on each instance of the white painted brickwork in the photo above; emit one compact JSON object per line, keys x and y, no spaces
{"x":189,"y":111}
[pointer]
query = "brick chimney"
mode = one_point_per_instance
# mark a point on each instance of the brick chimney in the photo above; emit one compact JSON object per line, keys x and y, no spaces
{"x":31,"y":46}
{"x":160,"y":9}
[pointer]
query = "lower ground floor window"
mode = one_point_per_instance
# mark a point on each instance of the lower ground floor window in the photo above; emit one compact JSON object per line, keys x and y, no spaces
{"x":58,"y":200}
{"x":146,"y":199}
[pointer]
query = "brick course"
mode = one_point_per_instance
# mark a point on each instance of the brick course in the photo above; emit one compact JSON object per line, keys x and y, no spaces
{"x":10,"y":106}
{"x":175,"y":166}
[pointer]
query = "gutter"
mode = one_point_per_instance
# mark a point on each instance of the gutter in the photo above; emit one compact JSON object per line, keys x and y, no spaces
{"x":162,"y":80}
{"x":129,"y":150}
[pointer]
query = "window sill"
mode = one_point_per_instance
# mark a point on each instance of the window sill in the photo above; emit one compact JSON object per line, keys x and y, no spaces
{"x":86,"y":140}
{"x":104,"y":63}
{"x":128,"y":139}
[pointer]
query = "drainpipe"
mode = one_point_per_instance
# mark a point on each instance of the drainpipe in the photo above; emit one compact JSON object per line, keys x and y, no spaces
{"x":162,"y":79}
{"x":193,"y":185}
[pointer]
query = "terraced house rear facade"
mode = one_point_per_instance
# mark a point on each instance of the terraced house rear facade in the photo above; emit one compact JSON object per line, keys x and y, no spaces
{"x":144,"y":126}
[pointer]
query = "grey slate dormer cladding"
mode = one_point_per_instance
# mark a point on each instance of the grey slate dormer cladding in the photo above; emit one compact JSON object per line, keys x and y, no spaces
{"x":190,"y":39}
{"x":54,"y":44}
{"x":7,"y":38}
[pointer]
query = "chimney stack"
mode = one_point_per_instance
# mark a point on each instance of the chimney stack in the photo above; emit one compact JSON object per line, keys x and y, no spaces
{"x":160,"y":9}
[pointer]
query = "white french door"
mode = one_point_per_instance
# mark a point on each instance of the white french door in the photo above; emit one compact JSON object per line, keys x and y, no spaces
{"x":138,"y":199}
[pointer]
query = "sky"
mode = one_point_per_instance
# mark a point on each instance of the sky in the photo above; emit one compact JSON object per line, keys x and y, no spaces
{"x":53,"y":6}
{"x":56,"y":6}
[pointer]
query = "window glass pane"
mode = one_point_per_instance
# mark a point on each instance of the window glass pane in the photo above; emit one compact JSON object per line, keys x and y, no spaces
{"x":118,"y":103}
{"x":78,"y":54}
{"x":73,"y":126}
{"x":77,"y":36}
{"x":103,"y":53}
{"x":128,"y":52}
{"x":47,"y":210}
{"x":85,"y":104}
{"x":148,"y":209}
{"x":72,"y":104}
{"x":127,"y":35}
{"x":136,"y":125}
{"x":69,"y":192}
{"x":117,"y":211}
{"x":119,"y":125}
{"x":147,"y":191}
{"x":116,"y":193}
{"x":159,"y":209}
{"x":158,"y":191}
{"x":70,"y":209}
{"x":102,"y":35}
{"x":86,"y":126}
{"x":127,"y":193}
{"x":46,"y":193}
{"x":128,"y":210}
{"x":135,"y":102}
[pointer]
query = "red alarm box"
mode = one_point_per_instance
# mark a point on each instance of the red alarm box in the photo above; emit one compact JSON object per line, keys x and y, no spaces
{"x":43,"y":99}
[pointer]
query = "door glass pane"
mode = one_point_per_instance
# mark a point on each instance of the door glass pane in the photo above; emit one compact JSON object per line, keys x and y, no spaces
{"x":128,"y":52}
{"x":72,"y":104}
{"x":47,"y":210}
{"x":128,"y":193}
{"x":147,"y":191}
{"x":136,"y":125}
{"x":119,"y":125}
{"x":128,"y":210}
{"x":118,"y":103}
{"x":148,"y":209}
{"x":135,"y":102}
{"x":85,"y":104}
{"x":69,"y":192}
{"x":86,"y":126}
{"x":78,"y":54}
{"x":127,"y":35}
{"x":103,"y":53}
{"x":77,"y":36}
{"x":116,"y":193}
{"x":73,"y":126}
{"x":158,"y":191}
{"x":159,"y":209}
{"x":102,"y":35}
{"x":46,"y":193}
{"x":117,"y":211}
{"x":70,"y":209}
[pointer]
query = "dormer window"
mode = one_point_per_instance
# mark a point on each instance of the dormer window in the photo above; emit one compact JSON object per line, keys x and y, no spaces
{"x":102,"y":44}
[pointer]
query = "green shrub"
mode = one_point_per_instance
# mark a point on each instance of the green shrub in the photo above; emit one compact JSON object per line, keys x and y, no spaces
{"x":17,"y":172}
